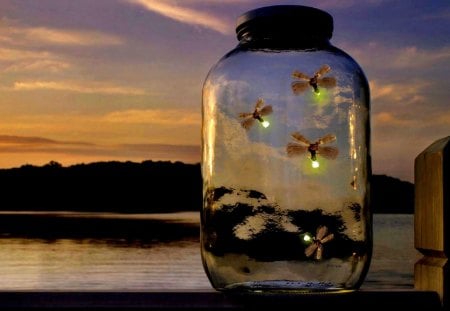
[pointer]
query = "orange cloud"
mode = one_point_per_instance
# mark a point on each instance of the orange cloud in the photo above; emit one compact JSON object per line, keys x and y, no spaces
{"x":386,"y":118}
{"x":85,"y":87}
{"x":155,"y":116}
{"x":412,"y":57}
{"x":376,"y":55}
{"x":16,"y":60}
{"x":18,"y":150}
{"x":185,"y":15}
{"x":45,"y":35}
{"x":410,"y":91}
{"x":111,"y":128}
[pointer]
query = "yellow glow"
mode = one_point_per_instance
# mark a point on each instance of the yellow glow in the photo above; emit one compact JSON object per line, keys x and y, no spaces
{"x":265,"y":124}
{"x":307,"y":238}
{"x":315,"y":164}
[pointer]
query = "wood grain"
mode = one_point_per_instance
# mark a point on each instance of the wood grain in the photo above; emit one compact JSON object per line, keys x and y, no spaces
{"x":432,"y":218}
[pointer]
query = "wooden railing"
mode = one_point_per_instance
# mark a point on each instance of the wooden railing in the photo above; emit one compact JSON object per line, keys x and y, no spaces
{"x":432,"y":219}
{"x":432,"y":278}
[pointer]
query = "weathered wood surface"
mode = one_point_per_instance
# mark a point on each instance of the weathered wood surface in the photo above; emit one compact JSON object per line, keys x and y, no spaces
{"x":432,"y":219}
{"x":358,"y":300}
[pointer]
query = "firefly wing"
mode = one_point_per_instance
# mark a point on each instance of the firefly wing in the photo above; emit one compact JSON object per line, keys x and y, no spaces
{"x":323,"y":70}
{"x":309,"y":251}
{"x":248,"y":122}
{"x":327,"y":82}
{"x":328,"y":152}
{"x":245,"y":115}
{"x":294,"y":149}
{"x":259,"y":104}
{"x":326,"y":139}
{"x":321,"y":232}
{"x":301,"y":138}
{"x":300,"y":75}
{"x":319,"y":252}
{"x":299,"y":86}
{"x":266,"y":110}
{"x":327,"y":238}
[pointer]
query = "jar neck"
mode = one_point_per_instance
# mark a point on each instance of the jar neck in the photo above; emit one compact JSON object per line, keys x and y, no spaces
{"x":283,"y":41}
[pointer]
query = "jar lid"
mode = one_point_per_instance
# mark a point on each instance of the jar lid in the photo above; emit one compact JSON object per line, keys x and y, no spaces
{"x":293,"y":19}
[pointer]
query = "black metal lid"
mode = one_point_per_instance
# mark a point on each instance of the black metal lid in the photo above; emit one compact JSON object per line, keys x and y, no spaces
{"x":282,"y":19}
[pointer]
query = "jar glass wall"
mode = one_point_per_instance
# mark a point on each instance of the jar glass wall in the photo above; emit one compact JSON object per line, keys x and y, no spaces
{"x":286,"y":167}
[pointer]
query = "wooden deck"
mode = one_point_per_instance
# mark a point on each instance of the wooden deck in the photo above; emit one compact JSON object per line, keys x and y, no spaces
{"x":358,"y":300}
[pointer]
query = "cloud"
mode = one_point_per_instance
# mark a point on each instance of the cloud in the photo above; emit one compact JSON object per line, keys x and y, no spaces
{"x":175,"y":117}
{"x":386,"y":118}
{"x":185,"y":15}
{"x":26,"y":49}
{"x":329,"y":4}
{"x":38,"y":65}
{"x":85,"y":87}
{"x":11,"y":139}
{"x":22,"y":60}
{"x":407,"y":116}
{"x":377,"y":55}
{"x":53,"y":36}
{"x":7,"y":54}
{"x":13,"y":143}
{"x":100,"y":128}
{"x":18,"y":150}
{"x":413,"y":57}
{"x":409,"y":92}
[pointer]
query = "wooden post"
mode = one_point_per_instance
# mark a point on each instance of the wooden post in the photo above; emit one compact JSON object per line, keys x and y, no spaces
{"x":432,"y":219}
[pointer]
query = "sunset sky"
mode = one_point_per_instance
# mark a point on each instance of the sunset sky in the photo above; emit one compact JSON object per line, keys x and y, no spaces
{"x":99,"y":80}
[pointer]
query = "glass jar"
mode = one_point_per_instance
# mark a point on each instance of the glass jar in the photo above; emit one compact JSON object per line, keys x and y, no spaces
{"x":286,"y":159}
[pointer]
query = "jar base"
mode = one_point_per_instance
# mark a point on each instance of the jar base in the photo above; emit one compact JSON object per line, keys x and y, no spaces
{"x":285,"y":286}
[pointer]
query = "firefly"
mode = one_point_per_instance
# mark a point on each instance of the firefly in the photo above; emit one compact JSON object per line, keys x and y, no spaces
{"x":316,"y":248}
{"x":314,"y":81}
{"x":248,"y":118}
{"x":303,"y":145}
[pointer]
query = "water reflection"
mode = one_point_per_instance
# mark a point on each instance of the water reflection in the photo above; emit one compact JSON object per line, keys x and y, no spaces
{"x":127,"y":228}
{"x":127,"y":262}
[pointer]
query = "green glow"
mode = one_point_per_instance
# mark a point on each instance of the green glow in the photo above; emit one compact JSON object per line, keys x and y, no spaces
{"x":315,"y":164}
{"x":321,"y":97}
{"x":306,"y":238}
{"x":265,"y":124}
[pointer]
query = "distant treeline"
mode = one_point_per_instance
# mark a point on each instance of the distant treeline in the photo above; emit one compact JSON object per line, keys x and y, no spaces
{"x":126,"y":187}
{"x":146,"y":187}
{"x":391,"y":195}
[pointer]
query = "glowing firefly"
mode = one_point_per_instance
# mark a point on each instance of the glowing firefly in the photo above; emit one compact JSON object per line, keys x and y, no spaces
{"x":306,"y":238}
{"x":303,"y":145}
{"x":319,"y":240}
{"x":248,"y":118}
{"x":315,"y":81}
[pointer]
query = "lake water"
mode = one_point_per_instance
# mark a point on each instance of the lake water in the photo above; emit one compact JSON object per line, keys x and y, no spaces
{"x":127,"y":264}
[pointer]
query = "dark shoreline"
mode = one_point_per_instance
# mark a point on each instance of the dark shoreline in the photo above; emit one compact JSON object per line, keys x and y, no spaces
{"x":50,"y":227}
{"x":146,"y":187}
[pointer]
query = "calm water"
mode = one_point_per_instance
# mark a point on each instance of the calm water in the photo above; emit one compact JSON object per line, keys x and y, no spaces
{"x":66,"y":264}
